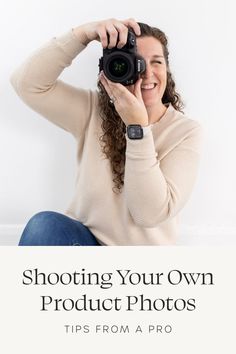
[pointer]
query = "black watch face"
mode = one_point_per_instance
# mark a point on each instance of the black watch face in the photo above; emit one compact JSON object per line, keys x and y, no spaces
{"x":135,"y":131}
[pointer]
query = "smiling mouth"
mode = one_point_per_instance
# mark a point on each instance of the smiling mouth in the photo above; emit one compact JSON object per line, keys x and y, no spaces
{"x":148,"y":86}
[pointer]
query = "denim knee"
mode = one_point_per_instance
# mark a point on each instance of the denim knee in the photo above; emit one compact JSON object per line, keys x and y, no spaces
{"x":40,"y":229}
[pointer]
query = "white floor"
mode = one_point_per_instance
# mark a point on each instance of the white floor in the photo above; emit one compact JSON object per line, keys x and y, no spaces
{"x":190,"y":235}
{"x":10,"y":234}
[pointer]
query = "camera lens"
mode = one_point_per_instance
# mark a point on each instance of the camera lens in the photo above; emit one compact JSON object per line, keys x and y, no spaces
{"x":118,"y":67}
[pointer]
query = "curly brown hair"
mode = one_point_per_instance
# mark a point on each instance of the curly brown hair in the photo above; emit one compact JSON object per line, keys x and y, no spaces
{"x":113,"y":140}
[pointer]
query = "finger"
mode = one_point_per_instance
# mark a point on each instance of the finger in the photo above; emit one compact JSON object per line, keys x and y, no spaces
{"x":103,"y":36}
{"x":123,"y":34}
{"x":113,"y":36}
{"x":105,"y":84}
{"x":130,"y":88}
{"x":133,"y":24}
{"x":116,"y":88}
{"x":137,"y":89}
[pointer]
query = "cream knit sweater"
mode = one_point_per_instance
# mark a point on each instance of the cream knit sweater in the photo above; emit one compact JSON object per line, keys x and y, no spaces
{"x":160,"y":169}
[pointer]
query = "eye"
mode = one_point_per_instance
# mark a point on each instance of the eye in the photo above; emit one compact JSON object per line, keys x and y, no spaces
{"x":157,"y":61}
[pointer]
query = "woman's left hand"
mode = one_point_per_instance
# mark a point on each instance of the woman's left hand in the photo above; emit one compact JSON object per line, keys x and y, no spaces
{"x":129,"y":105}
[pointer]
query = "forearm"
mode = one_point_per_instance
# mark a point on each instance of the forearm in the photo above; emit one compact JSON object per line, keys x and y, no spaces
{"x":36,"y":82}
{"x":81,"y":35}
{"x":40,"y":71}
{"x":147,"y":193}
{"x":157,"y":190}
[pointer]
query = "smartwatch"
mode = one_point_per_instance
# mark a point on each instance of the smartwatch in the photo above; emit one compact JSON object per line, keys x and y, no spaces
{"x":136,"y":131}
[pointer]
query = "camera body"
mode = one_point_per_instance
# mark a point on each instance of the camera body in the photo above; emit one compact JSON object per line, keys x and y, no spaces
{"x":123,"y":65}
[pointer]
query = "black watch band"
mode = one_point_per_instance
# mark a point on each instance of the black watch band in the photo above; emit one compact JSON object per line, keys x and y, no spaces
{"x":135,"y":131}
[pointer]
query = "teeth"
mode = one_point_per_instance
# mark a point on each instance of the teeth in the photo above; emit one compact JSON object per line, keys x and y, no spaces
{"x":148,"y":86}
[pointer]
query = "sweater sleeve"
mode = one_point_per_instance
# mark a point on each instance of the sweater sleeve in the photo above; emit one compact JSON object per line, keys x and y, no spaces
{"x":157,"y":190}
{"x":36,"y":82}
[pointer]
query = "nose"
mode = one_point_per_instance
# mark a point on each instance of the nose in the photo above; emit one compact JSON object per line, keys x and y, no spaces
{"x":148,"y":72}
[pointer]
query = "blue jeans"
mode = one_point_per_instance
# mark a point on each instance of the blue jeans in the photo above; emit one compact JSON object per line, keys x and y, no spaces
{"x":49,"y":228}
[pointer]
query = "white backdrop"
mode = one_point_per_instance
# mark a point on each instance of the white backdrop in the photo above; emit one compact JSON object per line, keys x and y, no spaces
{"x":38,"y":161}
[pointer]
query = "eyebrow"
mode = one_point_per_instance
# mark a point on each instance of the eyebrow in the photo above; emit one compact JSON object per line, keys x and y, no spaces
{"x":158,"y":56}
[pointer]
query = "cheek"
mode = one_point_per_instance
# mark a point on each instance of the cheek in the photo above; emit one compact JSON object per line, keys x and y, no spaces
{"x":160,"y":72}
{"x":163,"y":76}
{"x":165,"y":79}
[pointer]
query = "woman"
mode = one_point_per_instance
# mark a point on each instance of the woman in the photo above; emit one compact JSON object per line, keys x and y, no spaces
{"x":128,"y":191}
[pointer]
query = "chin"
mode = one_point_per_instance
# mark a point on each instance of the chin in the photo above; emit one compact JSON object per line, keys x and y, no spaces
{"x":151,"y":102}
{"x":152,"y":99}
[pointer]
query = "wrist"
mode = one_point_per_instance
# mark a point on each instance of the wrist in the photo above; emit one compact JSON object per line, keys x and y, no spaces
{"x":137,"y":131}
{"x":146,"y":129}
{"x":81,"y":35}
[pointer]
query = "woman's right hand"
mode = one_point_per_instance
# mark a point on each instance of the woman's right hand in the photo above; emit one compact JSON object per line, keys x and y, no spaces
{"x":107,"y":32}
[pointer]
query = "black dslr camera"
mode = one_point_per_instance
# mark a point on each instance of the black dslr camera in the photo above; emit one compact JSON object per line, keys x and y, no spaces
{"x":123,"y":65}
